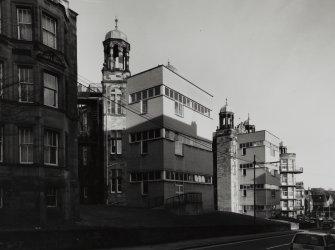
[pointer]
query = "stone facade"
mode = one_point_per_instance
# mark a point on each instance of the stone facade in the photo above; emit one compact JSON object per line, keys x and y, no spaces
{"x":114,"y":83}
{"x":38,"y":113}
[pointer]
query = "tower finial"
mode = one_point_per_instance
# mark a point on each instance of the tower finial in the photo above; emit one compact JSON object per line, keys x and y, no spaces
{"x":248,"y":117}
{"x":226,"y":101}
{"x":116,"y":20}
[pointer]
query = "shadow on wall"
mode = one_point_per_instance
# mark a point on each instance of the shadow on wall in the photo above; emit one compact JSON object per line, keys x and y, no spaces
{"x":168,"y":123}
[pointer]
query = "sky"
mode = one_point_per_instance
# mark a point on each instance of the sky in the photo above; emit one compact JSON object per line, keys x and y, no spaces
{"x":273,"y":59}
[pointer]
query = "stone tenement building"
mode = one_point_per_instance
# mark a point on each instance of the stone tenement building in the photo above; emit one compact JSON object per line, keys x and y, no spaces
{"x":38,"y":112}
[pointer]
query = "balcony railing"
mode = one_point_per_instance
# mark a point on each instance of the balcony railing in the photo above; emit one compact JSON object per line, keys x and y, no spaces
{"x":291,"y":170}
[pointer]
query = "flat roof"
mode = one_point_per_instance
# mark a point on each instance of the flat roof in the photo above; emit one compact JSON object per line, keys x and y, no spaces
{"x":161,"y":65}
{"x":259,"y":132}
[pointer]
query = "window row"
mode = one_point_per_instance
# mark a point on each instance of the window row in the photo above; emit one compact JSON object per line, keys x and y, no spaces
{"x":145,"y":135}
{"x":51,"y":197}
{"x":188,"y":177}
{"x":173,"y":136}
{"x":250,"y":144}
{"x":244,"y":191}
{"x":246,"y":208}
{"x":25,"y":27}
{"x":251,"y":186}
{"x":246,"y":165}
{"x":145,"y":94}
{"x":26,"y":146}
{"x":170,"y":175}
{"x":183,"y":100}
{"x":26,"y":86}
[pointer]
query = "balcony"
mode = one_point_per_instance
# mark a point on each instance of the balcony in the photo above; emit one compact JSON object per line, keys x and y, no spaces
{"x":287,"y":183}
{"x":294,"y":170}
{"x":287,"y":195}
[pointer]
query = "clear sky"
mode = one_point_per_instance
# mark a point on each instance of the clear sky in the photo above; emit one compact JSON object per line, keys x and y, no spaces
{"x":274,"y":59}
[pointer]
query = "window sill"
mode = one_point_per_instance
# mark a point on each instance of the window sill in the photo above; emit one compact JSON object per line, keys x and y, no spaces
{"x":51,"y":165}
{"x":49,"y":106}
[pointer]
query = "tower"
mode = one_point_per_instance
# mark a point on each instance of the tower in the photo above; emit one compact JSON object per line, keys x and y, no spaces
{"x":116,"y":55}
{"x":225,"y":163}
{"x":115,"y":72}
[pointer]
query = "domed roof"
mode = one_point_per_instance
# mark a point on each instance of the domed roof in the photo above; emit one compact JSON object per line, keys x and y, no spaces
{"x":117,"y":34}
{"x":226,"y":108}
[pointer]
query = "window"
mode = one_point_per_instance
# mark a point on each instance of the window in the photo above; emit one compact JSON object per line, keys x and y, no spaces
{"x":244,"y":151}
{"x":83,"y":128}
{"x":115,"y":142}
{"x":144,"y":147}
{"x":151,"y":92}
{"x":85,"y":192}
{"x":49,"y":30}
{"x":171,"y":93}
{"x":1,"y":80}
{"x":157,"y":90}
{"x":26,"y":145}
{"x":132,"y":98}
{"x":179,"y":148}
{"x":24,"y":24}
{"x":116,"y":181}
{"x":1,"y":197}
{"x":50,"y":148}
{"x":26,"y":87}
{"x":50,"y":90}
{"x":145,"y":187}
{"x":145,"y":94}
{"x":115,"y":102}
{"x":273,"y":193}
{"x":179,"y":109}
{"x":51,"y":197}
{"x":179,"y":188}
{"x":244,"y":172}
{"x":144,"y":106}
{"x":0,"y":17}
{"x":85,"y":155}
{"x":244,"y":194}
{"x":1,"y":144}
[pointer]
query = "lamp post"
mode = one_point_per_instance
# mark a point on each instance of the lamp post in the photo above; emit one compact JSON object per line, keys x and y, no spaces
{"x":254,"y":189}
